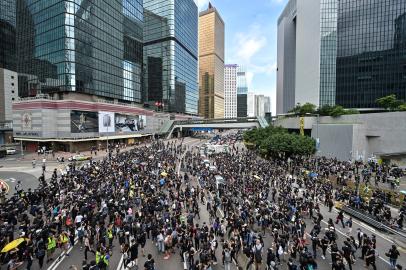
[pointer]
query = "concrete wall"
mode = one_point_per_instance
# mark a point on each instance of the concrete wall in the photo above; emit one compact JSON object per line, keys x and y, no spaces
{"x":298,"y":57}
{"x":286,"y":59}
{"x":379,"y":134}
{"x":336,"y":141}
{"x":307,"y":52}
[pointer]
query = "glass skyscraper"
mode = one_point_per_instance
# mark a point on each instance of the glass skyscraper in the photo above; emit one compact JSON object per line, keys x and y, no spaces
{"x":84,"y":46}
{"x":8,"y":34}
{"x":170,"y":54}
{"x":242,"y":92}
{"x":371,"y":55}
{"x":328,"y":51}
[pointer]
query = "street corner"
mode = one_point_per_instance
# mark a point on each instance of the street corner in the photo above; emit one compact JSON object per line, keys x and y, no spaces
{"x":4,"y":186}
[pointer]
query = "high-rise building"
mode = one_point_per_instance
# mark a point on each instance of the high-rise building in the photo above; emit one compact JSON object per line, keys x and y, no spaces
{"x":371,"y":49}
{"x":242,"y":92}
{"x":307,"y":47}
{"x":267,"y":105}
{"x":8,"y":35}
{"x":251,"y":108}
{"x":211,"y":64}
{"x":170,"y":55}
{"x":230,"y":91}
{"x":262,"y":105}
{"x":86,"y":47}
{"x":258,"y":105}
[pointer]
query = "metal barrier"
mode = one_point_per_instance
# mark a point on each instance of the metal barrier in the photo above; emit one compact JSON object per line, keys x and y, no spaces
{"x":370,"y":220}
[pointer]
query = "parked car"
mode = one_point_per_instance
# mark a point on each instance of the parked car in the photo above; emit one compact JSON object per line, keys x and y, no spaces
{"x":11,"y":151}
{"x":80,"y":158}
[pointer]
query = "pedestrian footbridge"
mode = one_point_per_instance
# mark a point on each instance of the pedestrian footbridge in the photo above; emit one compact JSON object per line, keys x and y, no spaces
{"x":224,"y":123}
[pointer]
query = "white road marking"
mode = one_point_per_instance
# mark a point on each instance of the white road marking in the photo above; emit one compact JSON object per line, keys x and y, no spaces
{"x":369,"y":228}
{"x":57,"y":262}
{"x":344,"y":234}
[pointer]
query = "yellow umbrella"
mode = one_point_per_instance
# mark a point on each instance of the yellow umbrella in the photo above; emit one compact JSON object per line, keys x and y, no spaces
{"x":13,"y":244}
{"x":164,"y":174}
{"x":257,"y":177}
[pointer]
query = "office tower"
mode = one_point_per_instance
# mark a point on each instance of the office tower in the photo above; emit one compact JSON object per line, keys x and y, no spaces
{"x":242,"y":91}
{"x":371,"y":49}
{"x":267,"y":105}
{"x":170,"y":55}
{"x":8,"y":35}
{"x":211,"y":64}
{"x":262,"y":105}
{"x":258,"y":105}
{"x":251,"y":108}
{"x":85,"y":47}
{"x":230,"y":91}
{"x":307,"y":47}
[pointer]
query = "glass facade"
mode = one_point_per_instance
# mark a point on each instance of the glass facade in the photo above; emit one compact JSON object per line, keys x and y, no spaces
{"x":242,"y":92}
{"x":91,"y":47}
{"x":8,"y":34}
{"x":211,"y":64}
{"x":170,"y":54}
{"x":371,"y":52}
{"x":328,"y":51}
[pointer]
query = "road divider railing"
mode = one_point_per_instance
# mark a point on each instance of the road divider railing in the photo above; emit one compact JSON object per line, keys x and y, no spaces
{"x":370,"y":220}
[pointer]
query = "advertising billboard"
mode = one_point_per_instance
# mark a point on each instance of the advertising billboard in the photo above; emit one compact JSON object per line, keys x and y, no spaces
{"x":130,"y":123}
{"x":83,"y":122}
{"x":106,"y":122}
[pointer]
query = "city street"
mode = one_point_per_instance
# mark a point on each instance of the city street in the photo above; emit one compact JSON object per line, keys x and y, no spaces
{"x":28,"y":177}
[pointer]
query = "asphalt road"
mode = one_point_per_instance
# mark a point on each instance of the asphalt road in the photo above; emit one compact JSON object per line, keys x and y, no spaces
{"x":28,"y":176}
{"x":12,"y":177}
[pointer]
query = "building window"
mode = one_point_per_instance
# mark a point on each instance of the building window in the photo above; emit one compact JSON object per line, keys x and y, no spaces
{"x":12,"y":77}
{"x":12,"y":91}
{"x":12,"y":98}
{"x":12,"y":84}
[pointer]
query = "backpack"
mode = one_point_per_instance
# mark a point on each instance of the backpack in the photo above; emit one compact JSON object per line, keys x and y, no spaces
{"x":150,"y":265}
{"x":257,"y":254}
{"x":227,"y":256}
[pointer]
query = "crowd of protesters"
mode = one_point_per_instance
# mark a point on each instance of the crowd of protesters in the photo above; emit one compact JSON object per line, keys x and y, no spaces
{"x":131,"y":197}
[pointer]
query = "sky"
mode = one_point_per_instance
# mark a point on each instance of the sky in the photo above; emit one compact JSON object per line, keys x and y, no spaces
{"x":250,"y":39}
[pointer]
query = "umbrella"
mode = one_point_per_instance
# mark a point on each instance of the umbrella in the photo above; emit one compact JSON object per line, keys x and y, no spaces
{"x":164,"y":174}
{"x":257,"y":177}
{"x":403,"y":192}
{"x":313,"y":174}
{"x":13,"y":244}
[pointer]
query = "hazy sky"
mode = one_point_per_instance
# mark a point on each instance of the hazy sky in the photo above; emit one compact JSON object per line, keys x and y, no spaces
{"x":251,"y":32}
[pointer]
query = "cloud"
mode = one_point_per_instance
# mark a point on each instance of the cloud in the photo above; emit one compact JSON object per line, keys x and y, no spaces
{"x":248,"y":44}
{"x":268,"y":68}
{"x":202,"y":4}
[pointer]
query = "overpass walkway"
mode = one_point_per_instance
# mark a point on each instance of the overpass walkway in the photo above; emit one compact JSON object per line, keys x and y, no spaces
{"x":223,"y":123}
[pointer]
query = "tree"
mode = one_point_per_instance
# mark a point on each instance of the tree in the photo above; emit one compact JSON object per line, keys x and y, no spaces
{"x":390,"y":102}
{"x":325,"y":110}
{"x":335,"y":111}
{"x":402,"y":107}
{"x":276,"y":141}
{"x":307,"y":108}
